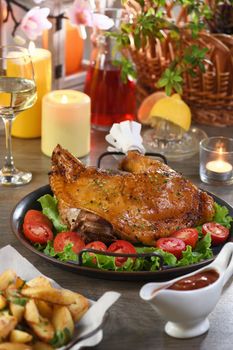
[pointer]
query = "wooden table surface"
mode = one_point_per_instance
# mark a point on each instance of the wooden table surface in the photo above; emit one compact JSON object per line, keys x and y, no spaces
{"x":132,"y":323}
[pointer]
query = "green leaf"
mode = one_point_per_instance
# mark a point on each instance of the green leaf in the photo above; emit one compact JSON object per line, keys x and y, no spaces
{"x":127,"y":69}
{"x":49,"y":208}
{"x":168,"y":89}
{"x":222,"y":215}
{"x":204,"y":247}
{"x":201,"y":252}
{"x":19,"y":301}
{"x":150,"y":12}
{"x":189,"y":257}
{"x":162,"y":82}
{"x":178,"y":88}
{"x":168,"y":258}
{"x":61,"y":338}
{"x":66,"y":255}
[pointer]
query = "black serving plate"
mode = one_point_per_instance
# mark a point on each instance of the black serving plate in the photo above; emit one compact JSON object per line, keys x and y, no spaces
{"x":166,"y":273}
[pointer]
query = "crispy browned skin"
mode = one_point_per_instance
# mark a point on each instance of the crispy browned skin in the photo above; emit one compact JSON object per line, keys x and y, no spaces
{"x":148,"y":202}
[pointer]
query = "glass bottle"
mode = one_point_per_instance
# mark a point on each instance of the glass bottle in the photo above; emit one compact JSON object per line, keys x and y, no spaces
{"x":112,"y":100}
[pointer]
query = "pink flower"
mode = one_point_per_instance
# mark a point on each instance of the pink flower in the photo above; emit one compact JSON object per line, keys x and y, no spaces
{"x":81,"y":13}
{"x":35,"y":21}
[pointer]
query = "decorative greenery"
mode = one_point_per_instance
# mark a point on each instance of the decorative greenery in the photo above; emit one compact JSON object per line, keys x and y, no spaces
{"x":148,"y":21}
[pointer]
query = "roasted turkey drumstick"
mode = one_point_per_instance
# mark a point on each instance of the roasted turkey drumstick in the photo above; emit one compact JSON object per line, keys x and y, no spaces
{"x":147,"y":201}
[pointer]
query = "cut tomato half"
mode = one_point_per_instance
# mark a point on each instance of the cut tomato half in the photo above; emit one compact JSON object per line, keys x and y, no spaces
{"x":62,"y":239}
{"x":124,"y":247}
{"x":218,"y":233}
{"x":98,"y":245}
{"x":35,"y":216}
{"x":37,"y":232}
{"x":188,"y":235}
{"x":171,"y":245}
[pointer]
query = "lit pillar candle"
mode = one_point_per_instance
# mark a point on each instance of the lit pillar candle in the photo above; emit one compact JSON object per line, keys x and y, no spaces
{"x":28,"y":123}
{"x":66,"y":120}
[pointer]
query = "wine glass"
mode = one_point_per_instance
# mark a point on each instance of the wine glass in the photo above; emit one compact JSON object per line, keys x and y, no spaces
{"x":17,"y":93}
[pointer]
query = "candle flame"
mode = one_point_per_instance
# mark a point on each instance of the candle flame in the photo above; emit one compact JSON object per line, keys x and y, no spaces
{"x":64,"y":99}
{"x":31,"y":47}
{"x":220,"y":147}
{"x":220,"y":150}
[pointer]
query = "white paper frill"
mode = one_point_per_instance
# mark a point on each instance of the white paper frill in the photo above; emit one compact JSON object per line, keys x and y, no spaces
{"x":124,"y":137}
{"x":11,"y":259}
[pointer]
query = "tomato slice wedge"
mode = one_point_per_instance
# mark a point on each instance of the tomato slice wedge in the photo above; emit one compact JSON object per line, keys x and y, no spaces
{"x":171,"y":245}
{"x":35,"y":216}
{"x":217,"y":232}
{"x":188,"y":235}
{"x":98,"y":245}
{"x":37,"y":232}
{"x":121,"y":246}
{"x":62,"y":239}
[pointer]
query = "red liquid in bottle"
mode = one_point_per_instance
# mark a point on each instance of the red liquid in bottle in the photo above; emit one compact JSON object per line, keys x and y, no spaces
{"x":112,"y":100}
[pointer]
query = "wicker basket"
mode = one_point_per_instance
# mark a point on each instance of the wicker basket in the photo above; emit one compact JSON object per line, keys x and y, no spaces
{"x":209,"y":94}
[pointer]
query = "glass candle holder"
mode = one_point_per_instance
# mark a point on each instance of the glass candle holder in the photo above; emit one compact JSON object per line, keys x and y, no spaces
{"x":216,"y":160}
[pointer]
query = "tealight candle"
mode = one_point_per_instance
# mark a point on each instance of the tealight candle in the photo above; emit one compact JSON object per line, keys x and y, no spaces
{"x":66,"y":121}
{"x":219,"y":170}
{"x":216,"y":160}
{"x":28,"y":123}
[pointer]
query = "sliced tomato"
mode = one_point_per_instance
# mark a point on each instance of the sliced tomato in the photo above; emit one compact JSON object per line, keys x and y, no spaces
{"x":62,"y":239}
{"x":38,"y":232}
{"x":124,"y":247}
{"x":171,"y":245}
{"x":35,"y":216}
{"x":217,"y":232}
{"x":188,"y":235}
{"x":98,"y":245}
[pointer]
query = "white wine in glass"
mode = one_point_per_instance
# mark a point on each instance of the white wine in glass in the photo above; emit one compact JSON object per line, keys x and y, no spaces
{"x":17,"y":93}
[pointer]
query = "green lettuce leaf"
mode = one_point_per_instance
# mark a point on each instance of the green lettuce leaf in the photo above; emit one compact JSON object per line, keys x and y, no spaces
{"x":204,"y":247}
{"x":222,"y":215}
{"x":65,"y":255}
{"x":49,"y":208}
{"x":201,"y":252}
{"x":168,"y":258}
{"x":104,"y":262}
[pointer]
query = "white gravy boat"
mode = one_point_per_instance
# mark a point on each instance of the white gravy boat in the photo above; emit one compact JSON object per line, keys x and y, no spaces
{"x":187,"y":311}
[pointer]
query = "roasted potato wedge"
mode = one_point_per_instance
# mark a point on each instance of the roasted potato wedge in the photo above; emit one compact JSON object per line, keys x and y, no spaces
{"x":7,"y":324}
{"x":17,"y":311}
{"x":39,"y":282}
{"x":43,"y":329}
{"x":36,"y":313}
{"x":79,"y":308}
{"x":45,"y":309}
{"x":62,"y":320}
{"x":6,"y":278}
{"x":18,"y":336}
{"x":31,"y":314}
{"x":52,"y":295}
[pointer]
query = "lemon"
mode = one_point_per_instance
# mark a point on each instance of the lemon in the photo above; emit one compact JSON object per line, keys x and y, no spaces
{"x":173,"y":109}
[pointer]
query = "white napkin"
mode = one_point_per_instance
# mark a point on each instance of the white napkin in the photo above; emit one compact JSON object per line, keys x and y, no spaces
{"x":124,"y":137}
{"x":11,"y":259}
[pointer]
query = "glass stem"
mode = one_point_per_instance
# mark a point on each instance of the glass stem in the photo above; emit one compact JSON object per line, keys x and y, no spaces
{"x":9,"y":166}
